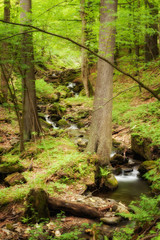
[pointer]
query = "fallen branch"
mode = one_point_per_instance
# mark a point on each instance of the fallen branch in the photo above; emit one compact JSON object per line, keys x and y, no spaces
{"x":76,"y":209}
{"x":95,"y":54}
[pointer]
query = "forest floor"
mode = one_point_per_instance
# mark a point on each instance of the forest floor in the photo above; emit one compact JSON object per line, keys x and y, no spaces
{"x":59,"y":150}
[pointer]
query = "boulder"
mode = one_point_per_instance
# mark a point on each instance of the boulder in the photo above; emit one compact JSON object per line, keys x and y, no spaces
{"x":117,"y":159}
{"x":144,"y":147}
{"x":15,"y":178}
{"x":36,"y":206}
{"x":82,"y":142}
{"x":110,"y":181}
{"x":63,"y":123}
{"x":146,"y":166}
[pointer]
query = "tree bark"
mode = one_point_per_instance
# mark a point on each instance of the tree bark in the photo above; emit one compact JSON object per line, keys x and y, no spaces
{"x":31,"y":124}
{"x":84,"y":53}
{"x":4,"y":55}
{"x":100,"y":140}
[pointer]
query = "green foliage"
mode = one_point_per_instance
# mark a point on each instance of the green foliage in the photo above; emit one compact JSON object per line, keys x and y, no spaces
{"x":38,"y":233}
{"x":104,"y":172}
{"x":154,"y":176}
{"x":141,"y":213}
{"x":43,"y":89}
{"x":123,"y":233}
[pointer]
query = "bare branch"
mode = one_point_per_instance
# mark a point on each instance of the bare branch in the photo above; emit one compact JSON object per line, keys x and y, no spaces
{"x":125,"y":90}
{"x":3,"y":39}
{"x":96,"y":54}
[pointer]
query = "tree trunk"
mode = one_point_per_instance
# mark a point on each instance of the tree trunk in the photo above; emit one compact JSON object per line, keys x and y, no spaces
{"x":84,"y":58}
{"x":151,"y":41}
{"x":100,"y":140}
{"x":31,"y":125}
{"x":80,"y":210}
{"x":4,"y":55}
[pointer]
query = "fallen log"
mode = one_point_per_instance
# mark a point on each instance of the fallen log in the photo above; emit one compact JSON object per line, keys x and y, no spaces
{"x":76,"y":209}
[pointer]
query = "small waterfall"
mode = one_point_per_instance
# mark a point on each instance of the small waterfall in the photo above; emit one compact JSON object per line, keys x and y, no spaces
{"x":48,"y":120}
{"x":71,"y":85}
{"x":128,"y":176}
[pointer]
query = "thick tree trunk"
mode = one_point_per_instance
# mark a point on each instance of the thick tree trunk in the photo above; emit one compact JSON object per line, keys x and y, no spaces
{"x":100,"y":140}
{"x":4,"y":56}
{"x":151,"y":41}
{"x":31,"y":123}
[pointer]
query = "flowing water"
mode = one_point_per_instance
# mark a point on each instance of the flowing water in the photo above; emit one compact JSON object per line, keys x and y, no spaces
{"x":130,"y":187}
{"x":48,"y":120}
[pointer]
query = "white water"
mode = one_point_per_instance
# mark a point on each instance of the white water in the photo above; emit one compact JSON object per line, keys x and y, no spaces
{"x":73,"y":126}
{"x":128,"y":177}
{"x":48,"y":120}
{"x":112,"y":153}
{"x":71,"y":85}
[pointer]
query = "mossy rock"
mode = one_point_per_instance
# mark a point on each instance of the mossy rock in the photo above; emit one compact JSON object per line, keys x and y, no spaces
{"x":15,"y":178}
{"x":57,"y":109}
{"x":80,"y":125}
{"x":36,"y":206}
{"x":146,"y":166}
{"x":117,"y":159}
{"x":8,"y":169}
{"x":141,"y":146}
{"x":63,"y":123}
{"x":83,"y":114}
{"x":110,"y":181}
{"x":45,"y":124}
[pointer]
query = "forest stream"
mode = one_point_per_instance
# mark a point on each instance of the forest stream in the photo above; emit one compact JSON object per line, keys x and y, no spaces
{"x":130,"y":187}
{"x":130,"y":184}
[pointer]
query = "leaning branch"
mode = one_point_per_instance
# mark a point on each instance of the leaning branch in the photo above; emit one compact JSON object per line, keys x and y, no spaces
{"x":82,"y":46}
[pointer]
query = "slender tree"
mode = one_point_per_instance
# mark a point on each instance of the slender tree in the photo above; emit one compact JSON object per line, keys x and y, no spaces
{"x":151,"y":39}
{"x":84,"y":58}
{"x":31,"y":125}
{"x":4,"y":55}
{"x":88,"y":39}
{"x":100,"y":140}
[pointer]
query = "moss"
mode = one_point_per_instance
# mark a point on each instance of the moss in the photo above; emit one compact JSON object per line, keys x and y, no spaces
{"x":110,"y":181}
{"x":36,"y":206}
{"x":146,"y":166}
{"x":6,"y":168}
{"x":63,"y":123}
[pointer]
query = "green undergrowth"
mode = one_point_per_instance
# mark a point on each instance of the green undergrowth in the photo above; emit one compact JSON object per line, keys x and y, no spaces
{"x":144,"y":220}
{"x":143,"y":119}
{"x":87,"y":102}
{"x":57,"y":163}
